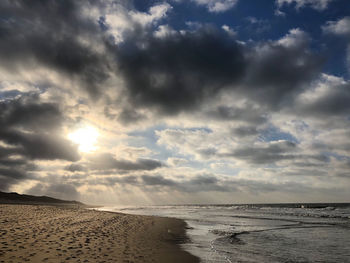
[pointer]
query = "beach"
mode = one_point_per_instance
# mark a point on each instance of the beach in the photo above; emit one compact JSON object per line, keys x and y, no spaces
{"x":39,"y":233}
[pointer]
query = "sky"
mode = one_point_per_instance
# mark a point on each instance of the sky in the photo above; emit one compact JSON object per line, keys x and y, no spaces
{"x":129,"y":102}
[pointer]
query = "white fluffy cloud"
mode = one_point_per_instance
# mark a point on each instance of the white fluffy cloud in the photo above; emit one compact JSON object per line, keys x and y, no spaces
{"x":217,"y":6}
{"x":316,"y":4}
{"x":119,"y":19}
{"x":294,"y":38}
{"x":154,"y":14}
{"x":230,"y":31}
{"x":164,"y":31}
{"x":340,"y":27}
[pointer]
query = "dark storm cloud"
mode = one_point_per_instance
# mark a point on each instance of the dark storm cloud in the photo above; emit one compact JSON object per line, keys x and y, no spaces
{"x":178,"y":72}
{"x":130,"y":116}
{"x":157,"y":180}
{"x":47,"y":31}
{"x":265,"y":154}
{"x":127,"y":115}
{"x":246,"y":114}
{"x":274,"y":152}
{"x":6,"y":161}
{"x":278,"y":72}
{"x":107,"y":162}
{"x":244,"y":131}
{"x":207,"y":183}
{"x":30,"y":129}
{"x":28,"y":113}
{"x":13,"y":171}
{"x":42,"y":146}
{"x":335,"y":102}
{"x":170,"y":74}
{"x":75,"y":168}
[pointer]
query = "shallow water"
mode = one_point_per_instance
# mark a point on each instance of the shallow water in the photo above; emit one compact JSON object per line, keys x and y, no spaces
{"x":261,"y":233}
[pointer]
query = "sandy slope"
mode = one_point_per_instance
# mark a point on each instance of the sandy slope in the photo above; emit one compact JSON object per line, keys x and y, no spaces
{"x":31,"y":233}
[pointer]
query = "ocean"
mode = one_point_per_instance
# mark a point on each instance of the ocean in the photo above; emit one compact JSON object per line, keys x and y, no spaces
{"x":262,"y":232}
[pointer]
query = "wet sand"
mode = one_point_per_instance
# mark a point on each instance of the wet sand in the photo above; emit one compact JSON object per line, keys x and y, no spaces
{"x":37,"y":233}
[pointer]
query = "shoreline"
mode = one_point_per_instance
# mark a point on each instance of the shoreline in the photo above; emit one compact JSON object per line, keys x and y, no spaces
{"x":45,"y":233}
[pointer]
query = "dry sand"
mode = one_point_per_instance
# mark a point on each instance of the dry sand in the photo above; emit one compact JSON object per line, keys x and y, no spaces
{"x":30,"y":233}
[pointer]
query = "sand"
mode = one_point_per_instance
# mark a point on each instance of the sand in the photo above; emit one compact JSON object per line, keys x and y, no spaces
{"x":33,"y":233}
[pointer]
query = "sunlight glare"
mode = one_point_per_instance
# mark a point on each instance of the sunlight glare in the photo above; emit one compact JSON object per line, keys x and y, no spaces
{"x":85,"y":137}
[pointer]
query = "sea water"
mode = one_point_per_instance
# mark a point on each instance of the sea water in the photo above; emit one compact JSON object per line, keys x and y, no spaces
{"x":261,"y":233}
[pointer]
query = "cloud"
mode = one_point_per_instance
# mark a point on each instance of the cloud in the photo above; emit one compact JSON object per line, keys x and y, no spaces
{"x":40,"y":145}
{"x":198,"y":183}
{"x":11,"y":174}
{"x":164,"y":31}
{"x":266,"y":153}
{"x":257,"y":25}
{"x":178,"y":72}
{"x":279,"y":70}
{"x":27,"y":112}
{"x":157,"y":180}
{"x":208,"y":183}
{"x":30,"y":127}
{"x":154,"y":14}
{"x":245,"y":113}
{"x":295,"y":38}
{"x":120,"y":19}
{"x":329,"y":97}
{"x":319,"y":5}
{"x":186,"y":141}
{"x":30,"y":130}
{"x":340,"y":27}
{"x":231,"y":32}
{"x":106,"y":161}
{"x":217,"y":6}
{"x":200,"y":98}
{"x":245,"y":131}
{"x":64,"y":49}
{"x":74,"y":167}
{"x":177,"y":161}
{"x":181,"y":72}
{"x":130,"y":116}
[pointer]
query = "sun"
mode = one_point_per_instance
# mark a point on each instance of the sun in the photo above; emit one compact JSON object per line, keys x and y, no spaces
{"x":85,"y":137}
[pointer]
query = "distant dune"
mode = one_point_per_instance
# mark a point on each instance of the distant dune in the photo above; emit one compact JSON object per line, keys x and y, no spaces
{"x":15,"y":198}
